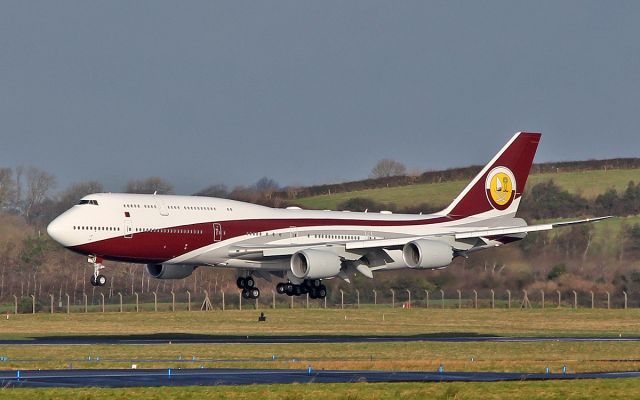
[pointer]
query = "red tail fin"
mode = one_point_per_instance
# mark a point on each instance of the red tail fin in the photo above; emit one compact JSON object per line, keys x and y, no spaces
{"x":500,"y":184}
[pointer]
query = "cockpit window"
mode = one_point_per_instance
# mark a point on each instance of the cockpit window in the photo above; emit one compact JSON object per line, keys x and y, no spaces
{"x":93,"y":202}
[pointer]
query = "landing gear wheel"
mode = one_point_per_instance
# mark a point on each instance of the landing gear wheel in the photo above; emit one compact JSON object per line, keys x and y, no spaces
{"x":254,"y":293}
{"x":322,"y":292}
{"x":249,"y":282}
{"x":246,"y":294}
{"x":241,"y":282}
{"x":101,"y":280}
{"x":92,"y":280}
{"x":280,"y":288}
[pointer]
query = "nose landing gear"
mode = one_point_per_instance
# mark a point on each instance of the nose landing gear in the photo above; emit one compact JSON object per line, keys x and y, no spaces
{"x":97,"y":279}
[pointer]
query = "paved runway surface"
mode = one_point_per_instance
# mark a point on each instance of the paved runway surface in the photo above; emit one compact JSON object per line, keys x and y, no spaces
{"x":194,"y":339}
{"x":213,"y":377}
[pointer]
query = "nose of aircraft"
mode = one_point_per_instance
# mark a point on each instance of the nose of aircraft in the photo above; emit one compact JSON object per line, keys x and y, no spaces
{"x":56,"y":231}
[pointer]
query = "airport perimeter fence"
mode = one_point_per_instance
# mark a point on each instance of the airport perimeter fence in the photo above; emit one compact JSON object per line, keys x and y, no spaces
{"x":338,"y":299}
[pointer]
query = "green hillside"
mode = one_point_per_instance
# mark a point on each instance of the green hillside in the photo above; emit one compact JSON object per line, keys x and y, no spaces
{"x":588,"y":184}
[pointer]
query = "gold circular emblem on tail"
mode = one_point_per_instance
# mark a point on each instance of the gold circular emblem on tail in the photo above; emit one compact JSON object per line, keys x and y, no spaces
{"x":500,"y":187}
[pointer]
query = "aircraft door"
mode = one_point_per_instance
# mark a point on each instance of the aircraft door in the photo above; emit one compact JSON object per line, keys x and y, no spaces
{"x":217,"y":232}
{"x":162,"y":208}
{"x":128,"y":231}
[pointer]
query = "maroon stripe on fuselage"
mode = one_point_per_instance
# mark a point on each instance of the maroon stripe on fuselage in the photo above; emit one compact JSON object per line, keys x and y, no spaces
{"x":158,"y":246}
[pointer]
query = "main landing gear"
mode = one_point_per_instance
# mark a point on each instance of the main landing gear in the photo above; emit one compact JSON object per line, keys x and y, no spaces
{"x":97,"y":279}
{"x":313,"y":287}
{"x":247,"y":284}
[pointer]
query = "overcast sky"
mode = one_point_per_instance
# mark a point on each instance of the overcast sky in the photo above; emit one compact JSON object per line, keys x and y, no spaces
{"x":309,"y":92}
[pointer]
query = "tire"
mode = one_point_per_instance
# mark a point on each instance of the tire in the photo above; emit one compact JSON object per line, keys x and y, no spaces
{"x":315,"y":283}
{"x":255,"y":293}
{"x":249,"y":282}
{"x":246,"y":294}
{"x":322,"y":293}
{"x":313,"y":294}
{"x":92,"y":280}
{"x":240,"y":282}
{"x":101,"y":280}
{"x":297,"y":290}
{"x":280,"y":288}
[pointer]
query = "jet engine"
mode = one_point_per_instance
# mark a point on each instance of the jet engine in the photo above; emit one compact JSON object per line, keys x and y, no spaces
{"x":427,"y":254}
{"x":315,"y":264}
{"x":170,"y":271}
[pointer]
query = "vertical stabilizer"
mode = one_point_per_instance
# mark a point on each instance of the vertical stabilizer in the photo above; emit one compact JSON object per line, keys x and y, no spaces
{"x":498,"y":188}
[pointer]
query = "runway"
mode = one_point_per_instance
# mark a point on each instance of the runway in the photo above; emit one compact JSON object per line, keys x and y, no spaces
{"x":223,"y":339}
{"x":214,"y":377}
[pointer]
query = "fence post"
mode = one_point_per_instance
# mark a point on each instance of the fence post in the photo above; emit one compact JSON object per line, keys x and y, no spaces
{"x":409,"y":293}
{"x":575,"y":299}
{"x":493,"y":299}
{"x":459,"y":298}
{"x":15,"y":302}
{"x":222,"y":300}
{"x":542,"y":297}
{"x":120,"y":296}
{"x":188,"y":300}
{"x":426,"y":298}
{"x":375,"y":297}
{"x":475,"y":299}
{"x":625,"y":300}
{"x":307,"y":301}
{"x":358,"y":297}
{"x":137,"y":302}
{"x":173,"y":301}
{"x":325,"y":302}
{"x":592,"y":299}
{"x":273,"y":299}
{"x":509,"y":298}
{"x":608,"y":301}
{"x":84,"y":297}
{"x":68,"y":303}
{"x":240,"y":301}
{"x":155,"y":301}
{"x":292,"y":302}
{"x":258,"y":304}
{"x":559,"y":298}
{"x":51,"y":296}
{"x":393,"y":298}
{"x":341,"y":299}
{"x":102,"y":295}
{"x":33,"y":304}
{"x":442,"y":295}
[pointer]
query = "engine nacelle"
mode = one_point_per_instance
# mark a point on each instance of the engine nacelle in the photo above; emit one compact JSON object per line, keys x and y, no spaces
{"x":315,"y":264}
{"x":427,"y":254}
{"x":170,"y":271}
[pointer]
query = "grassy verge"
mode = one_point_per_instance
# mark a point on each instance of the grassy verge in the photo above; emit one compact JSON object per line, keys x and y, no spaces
{"x":601,"y":389}
{"x":366,"y":321}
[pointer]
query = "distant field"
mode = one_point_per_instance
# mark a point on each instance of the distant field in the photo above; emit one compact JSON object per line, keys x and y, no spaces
{"x":588,"y":184}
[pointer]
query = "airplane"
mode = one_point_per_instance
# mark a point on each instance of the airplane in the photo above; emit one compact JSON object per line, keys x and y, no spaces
{"x":174,"y":235}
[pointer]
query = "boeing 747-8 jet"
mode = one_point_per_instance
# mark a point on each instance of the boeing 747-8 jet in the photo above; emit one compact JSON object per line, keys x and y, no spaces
{"x":174,"y":235}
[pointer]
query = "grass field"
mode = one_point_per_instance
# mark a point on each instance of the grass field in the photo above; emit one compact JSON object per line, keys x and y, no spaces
{"x":513,"y":322}
{"x":588,"y":184}
{"x":460,"y":356}
{"x":599,"y":389}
